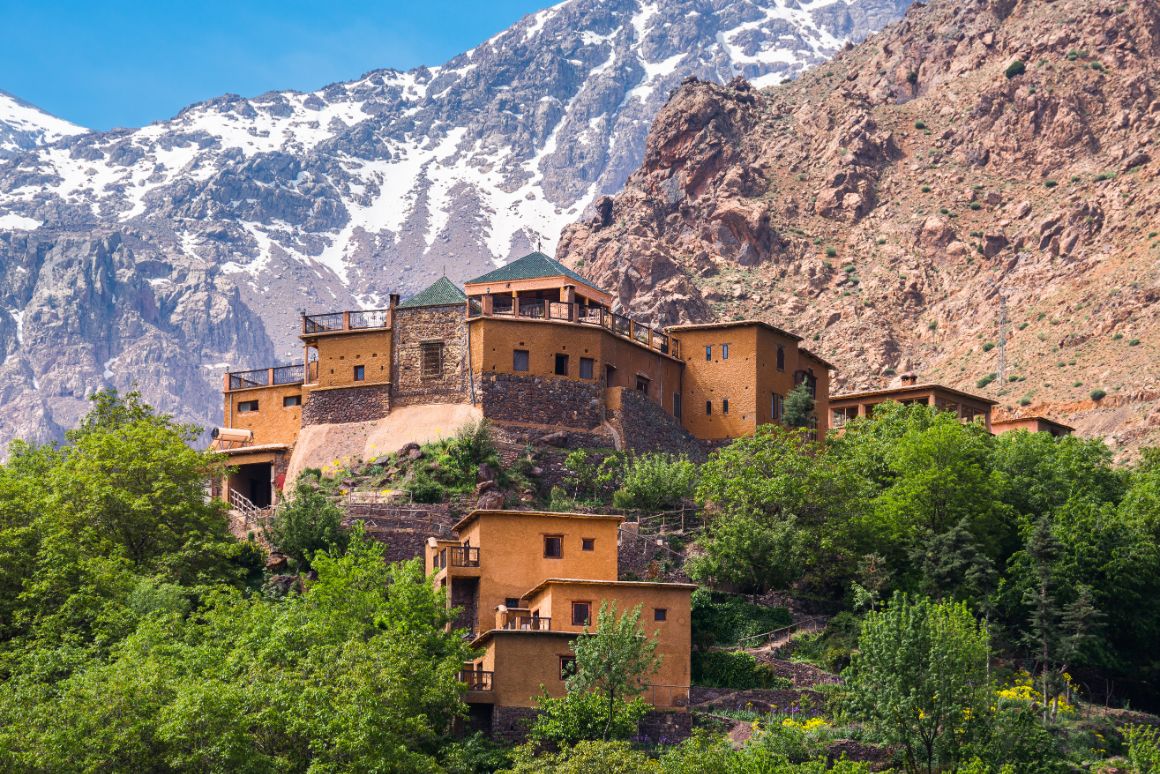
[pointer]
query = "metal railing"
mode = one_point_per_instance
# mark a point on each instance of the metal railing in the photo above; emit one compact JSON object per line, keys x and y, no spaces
{"x":477,"y":679}
{"x":540,"y":309}
{"x":811,"y":624}
{"x":266,"y":377}
{"x":352,"y":320}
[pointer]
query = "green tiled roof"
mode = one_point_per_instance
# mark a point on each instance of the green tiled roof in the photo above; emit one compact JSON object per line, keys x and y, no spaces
{"x":442,"y":293}
{"x":531,"y":266}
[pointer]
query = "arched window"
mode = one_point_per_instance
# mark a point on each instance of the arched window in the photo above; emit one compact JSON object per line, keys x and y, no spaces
{"x":781,"y":358}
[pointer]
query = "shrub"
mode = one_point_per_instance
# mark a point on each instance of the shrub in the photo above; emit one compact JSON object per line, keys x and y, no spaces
{"x":1014,"y":69}
{"x":655,"y":482}
{"x":1097,"y":394}
{"x":1077,"y":384}
{"x":583,"y":715}
{"x":919,"y":124}
{"x":888,"y":371}
{"x":990,"y":345}
{"x":831,"y":252}
{"x":1105,"y":176}
{"x":1025,"y":400}
{"x":849,"y":268}
{"x":1133,"y":342}
{"x":975,"y":206}
{"x":984,"y":381}
{"x":719,"y":619}
{"x":1117,"y":336}
{"x":925,"y":189}
{"x":1076,"y":179}
{"x":1144,"y":748}
{"x":932,"y":325}
{"x":310,"y":522}
{"x":1050,"y":183}
{"x":736,"y":669}
{"x":831,"y":648}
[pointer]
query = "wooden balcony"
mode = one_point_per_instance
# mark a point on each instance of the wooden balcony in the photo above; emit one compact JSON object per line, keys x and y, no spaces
{"x":477,"y":679}
{"x":457,"y":556}
{"x":578,"y":314}
{"x":265,"y":377}
{"x":342,"y":322}
{"x":528,"y":623}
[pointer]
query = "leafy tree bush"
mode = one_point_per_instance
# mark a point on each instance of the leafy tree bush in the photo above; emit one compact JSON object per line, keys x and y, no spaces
{"x":1144,"y":748}
{"x":725,"y":620}
{"x":655,"y":482}
{"x":309,"y":522}
{"x":1016,"y":68}
{"x":920,"y":679}
{"x":733,"y":669}
{"x":798,"y":407}
{"x":586,"y":716}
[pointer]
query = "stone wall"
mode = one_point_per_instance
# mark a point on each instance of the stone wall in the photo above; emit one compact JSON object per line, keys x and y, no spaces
{"x":646,"y":427}
{"x":511,"y":724}
{"x":541,"y":400}
{"x":659,"y":727}
{"x":413,"y":328}
{"x":347,"y":404}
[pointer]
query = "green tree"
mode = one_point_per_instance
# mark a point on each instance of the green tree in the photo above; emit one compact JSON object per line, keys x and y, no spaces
{"x":798,"y":407}
{"x":655,"y":482}
{"x":753,"y":554}
{"x":919,"y":678}
{"x":309,"y":522}
{"x":616,"y":660}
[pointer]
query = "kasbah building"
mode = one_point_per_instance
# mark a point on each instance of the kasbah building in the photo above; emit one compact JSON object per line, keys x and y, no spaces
{"x":535,"y":348}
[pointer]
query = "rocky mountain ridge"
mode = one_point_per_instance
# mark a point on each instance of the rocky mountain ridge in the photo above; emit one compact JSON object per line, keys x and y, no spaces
{"x":24,"y":126}
{"x":975,"y":161}
{"x":155,"y":256}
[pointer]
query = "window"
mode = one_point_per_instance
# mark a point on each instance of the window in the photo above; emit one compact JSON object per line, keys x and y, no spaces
{"x":520,"y":360}
{"x":642,"y":384}
{"x":725,"y":406}
{"x":809,"y":380}
{"x":587,"y":367}
{"x":511,"y":602}
{"x":567,"y":667}
{"x":708,"y":351}
{"x":708,"y":408}
{"x":553,"y":546}
{"x":588,"y":544}
{"x":581,"y":611}
{"x":724,"y":351}
{"x":431,"y":359}
{"x":776,"y":407}
{"x":289,"y":401}
{"x":246,"y":406}
{"x":677,"y":405}
{"x":781,"y":358}
{"x":660,"y":614}
{"x":561,"y":365}
{"x":360,"y":373}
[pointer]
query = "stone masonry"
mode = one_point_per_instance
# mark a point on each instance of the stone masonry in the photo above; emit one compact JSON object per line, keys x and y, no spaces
{"x":347,"y":404}
{"x":541,"y":400}
{"x":437,"y":325}
{"x":646,"y":427}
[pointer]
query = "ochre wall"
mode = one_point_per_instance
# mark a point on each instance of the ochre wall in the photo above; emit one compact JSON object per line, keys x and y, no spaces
{"x":717,"y":380}
{"x":494,"y":339}
{"x":522,"y":662}
{"x":271,"y":423}
{"x":511,"y":554}
{"x":339,"y":353}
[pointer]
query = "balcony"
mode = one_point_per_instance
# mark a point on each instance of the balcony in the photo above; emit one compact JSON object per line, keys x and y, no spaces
{"x":476,"y":679}
{"x":596,"y":316}
{"x":528,"y":623}
{"x":265,"y":377}
{"x":340,"y":322}
{"x":457,"y":556}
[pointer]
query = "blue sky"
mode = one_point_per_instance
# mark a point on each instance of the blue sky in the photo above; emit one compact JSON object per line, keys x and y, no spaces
{"x":109,"y":63}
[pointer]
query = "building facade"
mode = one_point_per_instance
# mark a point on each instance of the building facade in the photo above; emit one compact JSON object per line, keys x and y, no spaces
{"x":532,"y":345}
{"x":968,"y":407}
{"x":527,"y":584}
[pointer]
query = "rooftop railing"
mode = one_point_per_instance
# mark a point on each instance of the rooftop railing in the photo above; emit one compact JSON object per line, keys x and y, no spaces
{"x":477,"y":679}
{"x":266,"y":377}
{"x":353,"y":320}
{"x":457,"y":556}
{"x":528,"y":623}
{"x":540,"y":309}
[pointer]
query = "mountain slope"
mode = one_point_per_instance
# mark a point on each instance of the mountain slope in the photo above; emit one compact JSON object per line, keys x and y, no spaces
{"x":154,"y":256}
{"x":23,"y":126}
{"x":884,"y":203}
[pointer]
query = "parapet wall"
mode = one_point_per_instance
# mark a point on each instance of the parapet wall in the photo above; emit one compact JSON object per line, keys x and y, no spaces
{"x":347,"y":404}
{"x":541,"y":400}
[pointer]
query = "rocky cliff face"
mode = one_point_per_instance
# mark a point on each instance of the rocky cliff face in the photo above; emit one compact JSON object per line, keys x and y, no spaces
{"x":155,"y":256}
{"x":24,"y":127}
{"x":884,"y":204}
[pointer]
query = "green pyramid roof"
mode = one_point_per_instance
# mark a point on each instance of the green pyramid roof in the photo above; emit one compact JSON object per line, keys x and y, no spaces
{"x":442,"y":293}
{"x":531,"y":266}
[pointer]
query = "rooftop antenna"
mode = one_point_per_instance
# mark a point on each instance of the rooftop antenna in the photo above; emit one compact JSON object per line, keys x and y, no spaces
{"x":1001,"y":371}
{"x":539,"y":240}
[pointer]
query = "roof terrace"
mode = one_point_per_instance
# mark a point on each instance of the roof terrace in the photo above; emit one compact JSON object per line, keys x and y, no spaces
{"x":265,"y":377}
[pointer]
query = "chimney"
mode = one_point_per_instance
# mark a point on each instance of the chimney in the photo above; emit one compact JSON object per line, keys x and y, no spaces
{"x":394,"y":301}
{"x":909,"y":379}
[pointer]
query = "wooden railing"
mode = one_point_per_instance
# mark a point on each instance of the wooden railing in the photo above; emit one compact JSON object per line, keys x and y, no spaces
{"x":528,"y":623}
{"x":352,"y":320}
{"x":458,"y":556}
{"x":477,"y":679}
{"x":265,"y":377}
{"x":811,"y":624}
{"x":539,"y":309}
{"x":251,"y":514}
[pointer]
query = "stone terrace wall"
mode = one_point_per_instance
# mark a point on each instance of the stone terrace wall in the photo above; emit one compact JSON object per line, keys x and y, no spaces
{"x":411,"y":329}
{"x":541,"y":400}
{"x":646,"y":427}
{"x":347,"y":404}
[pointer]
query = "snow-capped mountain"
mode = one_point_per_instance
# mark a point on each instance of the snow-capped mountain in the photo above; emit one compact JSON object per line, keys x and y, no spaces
{"x":153,"y":257}
{"x":24,"y":126}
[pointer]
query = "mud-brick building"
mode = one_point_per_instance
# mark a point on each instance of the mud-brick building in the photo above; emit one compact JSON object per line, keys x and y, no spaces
{"x":968,"y":407}
{"x":533,"y":346}
{"x":527,"y":584}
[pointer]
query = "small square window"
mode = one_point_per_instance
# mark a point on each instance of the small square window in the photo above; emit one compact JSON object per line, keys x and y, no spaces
{"x":247,"y":406}
{"x":725,"y":406}
{"x":581,"y":613}
{"x":660,"y":614}
{"x":587,"y":367}
{"x":561,"y":365}
{"x":520,"y":360}
{"x":290,"y":401}
{"x":708,"y":408}
{"x":553,"y":546}
{"x":587,"y":544}
{"x":567,"y":667}
{"x":511,"y":602}
{"x":642,"y":384}
{"x":360,"y":373}
{"x":709,"y":352}
{"x":724,"y":351}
